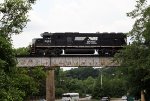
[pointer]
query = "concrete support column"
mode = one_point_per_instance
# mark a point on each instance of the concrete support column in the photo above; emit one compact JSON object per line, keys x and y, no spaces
{"x":142,"y":96}
{"x":50,"y":86}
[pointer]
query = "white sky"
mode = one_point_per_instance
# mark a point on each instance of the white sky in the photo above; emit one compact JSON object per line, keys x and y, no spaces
{"x":76,"y":16}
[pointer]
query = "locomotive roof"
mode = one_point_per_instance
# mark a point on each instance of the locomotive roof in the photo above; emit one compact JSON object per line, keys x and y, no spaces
{"x":47,"y":34}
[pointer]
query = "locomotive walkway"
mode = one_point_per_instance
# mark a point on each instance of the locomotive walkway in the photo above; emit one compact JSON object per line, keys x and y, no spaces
{"x":63,"y":61}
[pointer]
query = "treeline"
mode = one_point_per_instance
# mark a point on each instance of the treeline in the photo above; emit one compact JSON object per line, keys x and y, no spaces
{"x":98,"y":82}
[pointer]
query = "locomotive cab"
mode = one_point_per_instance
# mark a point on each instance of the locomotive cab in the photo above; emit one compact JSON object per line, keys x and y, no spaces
{"x":36,"y":43}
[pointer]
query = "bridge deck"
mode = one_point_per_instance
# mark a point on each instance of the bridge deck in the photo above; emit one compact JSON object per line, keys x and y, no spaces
{"x":66,"y":61}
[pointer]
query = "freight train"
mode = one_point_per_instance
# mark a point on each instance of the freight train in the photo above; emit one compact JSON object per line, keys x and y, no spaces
{"x":56,"y":44}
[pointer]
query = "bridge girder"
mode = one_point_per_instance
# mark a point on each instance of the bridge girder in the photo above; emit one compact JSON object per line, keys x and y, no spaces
{"x":66,"y":61}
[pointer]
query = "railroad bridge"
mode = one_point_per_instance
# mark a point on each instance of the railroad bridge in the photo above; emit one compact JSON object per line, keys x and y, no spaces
{"x":63,"y":61}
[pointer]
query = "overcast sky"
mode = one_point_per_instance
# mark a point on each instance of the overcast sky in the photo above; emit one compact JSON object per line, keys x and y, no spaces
{"x":76,"y":16}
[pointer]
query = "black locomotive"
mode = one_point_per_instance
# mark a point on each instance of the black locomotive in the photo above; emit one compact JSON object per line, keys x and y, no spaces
{"x":55,"y":44}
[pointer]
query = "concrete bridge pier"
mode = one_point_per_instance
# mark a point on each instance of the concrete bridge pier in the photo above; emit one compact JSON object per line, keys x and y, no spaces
{"x":50,"y":86}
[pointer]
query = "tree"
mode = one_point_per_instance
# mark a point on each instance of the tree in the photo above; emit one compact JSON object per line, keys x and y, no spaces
{"x":82,"y":72}
{"x":22,"y":51}
{"x":110,"y":83}
{"x":14,"y":19}
{"x":135,"y":58}
{"x":8,"y":72}
{"x":14,"y":16}
{"x":97,"y":89}
{"x":88,"y":85}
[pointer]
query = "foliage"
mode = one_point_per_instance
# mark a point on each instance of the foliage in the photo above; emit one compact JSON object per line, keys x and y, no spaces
{"x":135,"y":58}
{"x":141,"y":26}
{"x":14,"y":16}
{"x":33,"y":79}
{"x":113,"y":85}
{"x":97,"y":90}
{"x":22,"y":51}
{"x":82,"y":72}
{"x":13,"y":20}
{"x":17,"y":83}
{"x":7,"y":58}
{"x":59,"y":92}
{"x":9,"y":89}
{"x":117,"y":87}
{"x":88,"y":85}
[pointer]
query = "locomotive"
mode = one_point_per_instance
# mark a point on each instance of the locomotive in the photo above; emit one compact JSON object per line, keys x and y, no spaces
{"x":56,"y":44}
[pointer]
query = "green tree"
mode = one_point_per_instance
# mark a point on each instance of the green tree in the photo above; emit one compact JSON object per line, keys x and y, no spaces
{"x":33,"y":79}
{"x":97,"y":89}
{"x":88,"y":85}
{"x":14,"y":16}
{"x":8,"y":84}
{"x":117,"y":87}
{"x":22,"y":51}
{"x":38,"y":76}
{"x":135,"y":58}
{"x":82,"y":72}
{"x":110,"y":83}
{"x":13,"y":20}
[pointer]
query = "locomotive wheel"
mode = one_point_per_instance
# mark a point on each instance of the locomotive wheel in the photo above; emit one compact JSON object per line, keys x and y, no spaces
{"x":56,"y":52}
{"x":113,"y":52}
{"x":40,"y":52}
{"x":107,"y":52}
{"x":47,"y":52}
{"x":101,"y":52}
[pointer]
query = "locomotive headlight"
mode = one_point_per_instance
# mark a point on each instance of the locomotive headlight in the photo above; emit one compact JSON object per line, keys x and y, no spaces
{"x":47,"y":41}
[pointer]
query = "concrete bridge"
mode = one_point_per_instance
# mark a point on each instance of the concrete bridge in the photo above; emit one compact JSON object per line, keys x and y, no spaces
{"x":63,"y":61}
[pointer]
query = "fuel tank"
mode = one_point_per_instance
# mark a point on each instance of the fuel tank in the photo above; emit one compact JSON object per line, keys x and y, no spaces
{"x":79,"y":51}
